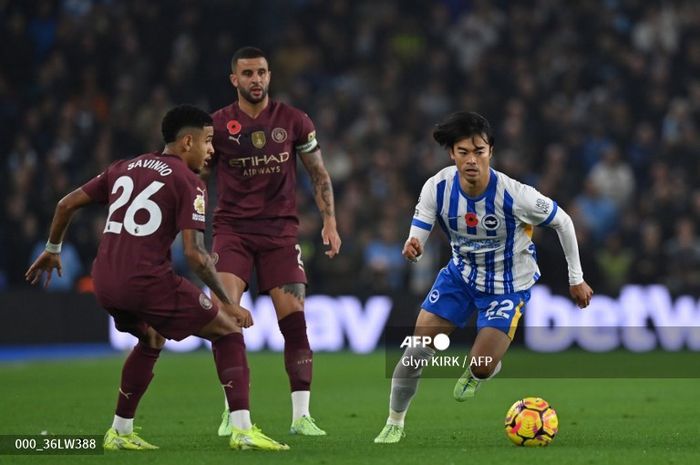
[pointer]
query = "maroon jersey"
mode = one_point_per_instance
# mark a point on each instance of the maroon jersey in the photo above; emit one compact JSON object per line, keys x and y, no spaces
{"x":256,"y":168}
{"x":151,"y":198}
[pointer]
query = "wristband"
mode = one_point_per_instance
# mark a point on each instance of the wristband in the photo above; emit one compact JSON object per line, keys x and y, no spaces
{"x":53,"y":248}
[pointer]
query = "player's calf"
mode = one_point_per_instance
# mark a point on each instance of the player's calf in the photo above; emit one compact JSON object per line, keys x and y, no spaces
{"x":483,"y":366}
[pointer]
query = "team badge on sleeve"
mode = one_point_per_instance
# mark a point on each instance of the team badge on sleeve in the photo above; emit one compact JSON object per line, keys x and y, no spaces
{"x":542,"y":205}
{"x":199,"y":206}
{"x":205,"y":302}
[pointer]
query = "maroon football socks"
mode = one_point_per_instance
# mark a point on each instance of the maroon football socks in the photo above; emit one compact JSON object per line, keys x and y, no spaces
{"x":298,"y":358}
{"x":232,"y":367}
{"x":136,"y":376}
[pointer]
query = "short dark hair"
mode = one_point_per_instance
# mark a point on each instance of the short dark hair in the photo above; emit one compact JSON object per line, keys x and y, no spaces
{"x":246,"y":52}
{"x":183,"y":116}
{"x":462,"y":125}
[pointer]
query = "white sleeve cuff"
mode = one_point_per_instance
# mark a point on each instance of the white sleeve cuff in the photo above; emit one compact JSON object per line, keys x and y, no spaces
{"x":420,"y":234}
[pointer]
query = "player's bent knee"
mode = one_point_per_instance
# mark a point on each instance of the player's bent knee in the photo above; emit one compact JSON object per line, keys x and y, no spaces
{"x":288,"y":299}
{"x":152,"y":339}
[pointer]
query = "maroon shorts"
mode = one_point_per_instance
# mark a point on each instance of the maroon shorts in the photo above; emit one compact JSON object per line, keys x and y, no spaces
{"x":171,"y":305}
{"x":276,"y":262}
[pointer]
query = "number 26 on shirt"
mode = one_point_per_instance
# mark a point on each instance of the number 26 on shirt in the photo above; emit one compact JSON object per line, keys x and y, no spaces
{"x":141,"y":202}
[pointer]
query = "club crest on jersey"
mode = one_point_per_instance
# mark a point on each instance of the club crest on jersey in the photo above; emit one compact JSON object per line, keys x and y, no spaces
{"x":258,"y":139}
{"x":279,"y":135}
{"x":471,"y":219}
{"x":205,"y":302}
{"x":490,"y":222}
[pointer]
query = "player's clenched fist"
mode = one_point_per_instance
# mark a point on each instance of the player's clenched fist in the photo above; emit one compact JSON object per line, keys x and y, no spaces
{"x":581,"y":293}
{"x":412,"y":249}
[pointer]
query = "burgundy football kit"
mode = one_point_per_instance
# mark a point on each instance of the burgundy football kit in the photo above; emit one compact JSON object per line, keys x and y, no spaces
{"x":255,"y":222}
{"x":151,"y":198}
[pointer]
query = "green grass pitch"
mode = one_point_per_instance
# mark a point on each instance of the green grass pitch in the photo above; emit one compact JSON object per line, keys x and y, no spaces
{"x":635,"y":421}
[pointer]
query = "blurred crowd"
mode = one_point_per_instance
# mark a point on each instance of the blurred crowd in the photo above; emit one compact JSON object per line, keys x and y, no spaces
{"x":596,"y":103}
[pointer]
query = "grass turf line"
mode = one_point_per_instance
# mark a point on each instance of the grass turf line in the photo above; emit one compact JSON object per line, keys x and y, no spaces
{"x":635,"y":421}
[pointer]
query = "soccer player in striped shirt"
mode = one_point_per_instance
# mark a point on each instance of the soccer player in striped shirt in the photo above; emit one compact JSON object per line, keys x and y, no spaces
{"x":488,"y":219}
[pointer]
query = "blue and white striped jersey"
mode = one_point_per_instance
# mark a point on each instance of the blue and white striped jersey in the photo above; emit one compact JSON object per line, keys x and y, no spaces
{"x":490,"y":235}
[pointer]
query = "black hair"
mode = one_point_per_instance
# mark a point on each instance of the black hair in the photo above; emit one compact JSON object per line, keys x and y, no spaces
{"x":245,"y":53}
{"x":183,"y":116}
{"x":462,"y":125}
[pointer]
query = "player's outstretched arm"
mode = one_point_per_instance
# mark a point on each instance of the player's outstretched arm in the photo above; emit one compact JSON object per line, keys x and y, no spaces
{"x":323,"y":194}
{"x":201,"y":263}
{"x":580,"y":291}
{"x":50,"y":259}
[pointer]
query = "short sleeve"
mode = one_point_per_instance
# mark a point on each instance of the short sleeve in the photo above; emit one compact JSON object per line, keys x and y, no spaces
{"x":306,"y":136}
{"x":192,"y":212}
{"x":426,"y":209}
{"x":98,"y":187}
{"x":534,"y":208}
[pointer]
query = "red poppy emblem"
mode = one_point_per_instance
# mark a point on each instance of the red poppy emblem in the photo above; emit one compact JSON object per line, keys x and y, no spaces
{"x":234,"y":127}
{"x":471,"y":219}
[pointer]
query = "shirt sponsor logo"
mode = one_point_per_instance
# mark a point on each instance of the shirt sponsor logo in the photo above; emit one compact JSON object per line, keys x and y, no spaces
{"x":260,"y":164}
{"x":279,"y":135}
{"x":472,"y":245}
{"x":491,"y":222}
{"x":258,"y":139}
{"x":257,"y":160}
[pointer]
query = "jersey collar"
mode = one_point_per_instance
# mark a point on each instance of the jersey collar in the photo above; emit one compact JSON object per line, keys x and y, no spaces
{"x":490,"y":188}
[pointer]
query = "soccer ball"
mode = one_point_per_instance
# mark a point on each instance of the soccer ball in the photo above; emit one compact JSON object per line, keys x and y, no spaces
{"x":531,"y":422}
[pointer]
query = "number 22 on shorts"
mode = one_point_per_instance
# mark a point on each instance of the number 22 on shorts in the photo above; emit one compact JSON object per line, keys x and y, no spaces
{"x":498,"y":309}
